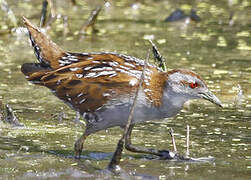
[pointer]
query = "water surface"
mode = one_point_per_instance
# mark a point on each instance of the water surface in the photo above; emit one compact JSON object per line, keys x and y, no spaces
{"x":218,"y":48}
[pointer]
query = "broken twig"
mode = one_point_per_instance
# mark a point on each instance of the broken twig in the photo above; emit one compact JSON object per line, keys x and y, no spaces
{"x":52,"y":7}
{"x":158,"y":57}
{"x":1,"y":111}
{"x":11,"y":117}
{"x":43,"y":13}
{"x":187,"y":141}
{"x":90,"y":23}
{"x":239,"y":97}
{"x":173,"y":140}
{"x":66,"y":25}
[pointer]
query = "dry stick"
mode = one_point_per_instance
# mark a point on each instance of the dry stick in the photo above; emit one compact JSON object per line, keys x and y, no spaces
{"x":66,"y":25}
{"x":53,"y":10}
{"x":43,"y":13}
{"x":117,"y":154}
{"x":158,"y":57}
{"x":90,"y":23}
{"x":74,"y":2}
{"x":2,"y":116}
{"x":173,"y":140}
{"x":53,"y":15}
{"x":187,"y":141}
{"x":11,"y":118}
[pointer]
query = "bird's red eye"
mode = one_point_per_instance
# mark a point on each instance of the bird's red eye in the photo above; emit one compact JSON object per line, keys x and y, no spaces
{"x":193,"y":85}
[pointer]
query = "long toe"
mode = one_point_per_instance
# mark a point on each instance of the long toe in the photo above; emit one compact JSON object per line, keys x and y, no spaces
{"x":166,"y":154}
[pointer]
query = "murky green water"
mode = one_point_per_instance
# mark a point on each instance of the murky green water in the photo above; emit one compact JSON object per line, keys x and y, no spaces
{"x":217,"y":48}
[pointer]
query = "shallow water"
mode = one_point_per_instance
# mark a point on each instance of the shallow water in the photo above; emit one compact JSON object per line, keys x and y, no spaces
{"x":218,"y":48}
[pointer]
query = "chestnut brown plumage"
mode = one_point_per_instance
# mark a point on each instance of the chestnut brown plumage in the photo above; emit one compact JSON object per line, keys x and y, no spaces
{"x":101,"y":86}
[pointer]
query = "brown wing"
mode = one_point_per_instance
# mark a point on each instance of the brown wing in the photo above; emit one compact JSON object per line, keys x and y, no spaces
{"x":93,"y":79}
{"x":87,"y":81}
{"x":90,"y":81}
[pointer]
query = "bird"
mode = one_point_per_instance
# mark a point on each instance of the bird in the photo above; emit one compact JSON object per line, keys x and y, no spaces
{"x":101,"y":87}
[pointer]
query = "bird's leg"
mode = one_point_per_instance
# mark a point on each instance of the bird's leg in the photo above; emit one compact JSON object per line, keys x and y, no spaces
{"x":128,"y":128}
{"x":130,"y":147}
{"x":163,"y":154}
{"x":78,"y":146}
{"x":113,"y":165}
{"x":77,"y":118}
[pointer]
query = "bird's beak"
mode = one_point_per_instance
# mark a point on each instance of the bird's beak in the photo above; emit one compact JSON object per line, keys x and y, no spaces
{"x":211,"y":97}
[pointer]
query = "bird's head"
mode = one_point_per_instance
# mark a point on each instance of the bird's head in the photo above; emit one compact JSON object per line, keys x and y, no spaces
{"x":189,"y":85}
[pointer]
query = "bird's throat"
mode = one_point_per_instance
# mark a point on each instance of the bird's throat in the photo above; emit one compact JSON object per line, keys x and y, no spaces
{"x":173,"y":99}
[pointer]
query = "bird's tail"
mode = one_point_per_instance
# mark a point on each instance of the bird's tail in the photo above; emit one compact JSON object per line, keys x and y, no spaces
{"x":34,"y":72}
{"x":46,"y":51}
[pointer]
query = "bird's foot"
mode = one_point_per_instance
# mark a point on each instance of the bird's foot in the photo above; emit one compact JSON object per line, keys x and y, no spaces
{"x":78,"y":147}
{"x":166,"y":154}
{"x":170,"y":155}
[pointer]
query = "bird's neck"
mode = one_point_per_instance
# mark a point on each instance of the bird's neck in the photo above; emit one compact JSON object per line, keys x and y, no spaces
{"x":173,"y":99}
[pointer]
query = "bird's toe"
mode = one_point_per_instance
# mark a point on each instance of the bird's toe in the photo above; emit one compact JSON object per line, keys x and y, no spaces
{"x":166,"y":154}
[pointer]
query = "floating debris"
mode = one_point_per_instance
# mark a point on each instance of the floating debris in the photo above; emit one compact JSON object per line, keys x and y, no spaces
{"x":239,"y":98}
{"x":220,"y":71}
{"x":107,"y":3}
{"x":61,"y":116}
{"x":11,"y":118}
{"x":178,"y":15}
